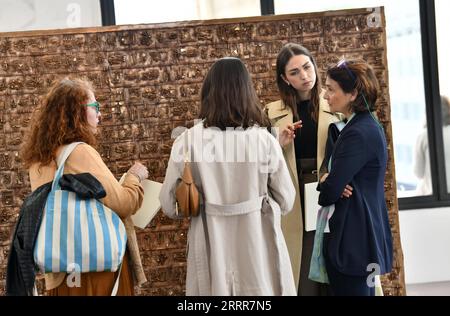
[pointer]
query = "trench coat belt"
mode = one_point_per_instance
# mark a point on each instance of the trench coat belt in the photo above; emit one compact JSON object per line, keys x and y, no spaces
{"x":245,"y":207}
{"x":202,"y":239}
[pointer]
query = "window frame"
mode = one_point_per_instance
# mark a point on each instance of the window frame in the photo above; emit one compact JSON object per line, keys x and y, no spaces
{"x":440,"y":196}
{"x":267,"y":7}
{"x":108,"y":12}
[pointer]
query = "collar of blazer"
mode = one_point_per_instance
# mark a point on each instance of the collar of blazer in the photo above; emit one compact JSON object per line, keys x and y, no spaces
{"x":355,"y":119}
{"x":278,"y":110}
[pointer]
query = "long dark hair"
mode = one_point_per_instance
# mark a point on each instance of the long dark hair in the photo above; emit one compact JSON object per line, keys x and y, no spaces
{"x":228,"y":98}
{"x":357,"y":75}
{"x":288,"y":93}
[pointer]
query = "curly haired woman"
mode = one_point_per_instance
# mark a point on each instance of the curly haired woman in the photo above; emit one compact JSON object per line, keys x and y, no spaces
{"x":70,"y":113}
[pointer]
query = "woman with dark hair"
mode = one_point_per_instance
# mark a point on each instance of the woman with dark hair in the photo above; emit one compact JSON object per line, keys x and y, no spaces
{"x":360,"y":236}
{"x":70,"y":113}
{"x":236,"y":246}
{"x":303,"y":145}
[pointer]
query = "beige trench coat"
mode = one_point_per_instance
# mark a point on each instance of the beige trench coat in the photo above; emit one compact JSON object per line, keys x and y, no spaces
{"x":292,"y":224}
{"x":236,"y":246}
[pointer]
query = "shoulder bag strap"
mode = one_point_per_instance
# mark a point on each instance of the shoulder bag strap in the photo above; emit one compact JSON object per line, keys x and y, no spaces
{"x":65,"y":153}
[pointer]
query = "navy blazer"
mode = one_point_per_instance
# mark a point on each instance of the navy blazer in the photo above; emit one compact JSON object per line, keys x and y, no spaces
{"x":359,"y":228}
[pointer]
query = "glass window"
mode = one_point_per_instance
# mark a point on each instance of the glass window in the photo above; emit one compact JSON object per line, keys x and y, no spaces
{"x":144,"y":11}
{"x":25,"y":15}
{"x":443,"y":45}
{"x":404,"y":52}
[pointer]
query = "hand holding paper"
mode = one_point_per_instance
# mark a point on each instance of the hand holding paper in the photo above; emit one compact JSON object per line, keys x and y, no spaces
{"x":150,"y":204}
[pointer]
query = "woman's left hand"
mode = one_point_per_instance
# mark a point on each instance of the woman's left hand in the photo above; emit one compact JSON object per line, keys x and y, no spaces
{"x":139,"y":170}
{"x":324,"y":177}
{"x":348,"y":191}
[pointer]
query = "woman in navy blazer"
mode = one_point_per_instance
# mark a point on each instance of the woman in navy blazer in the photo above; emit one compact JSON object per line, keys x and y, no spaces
{"x":359,"y":244}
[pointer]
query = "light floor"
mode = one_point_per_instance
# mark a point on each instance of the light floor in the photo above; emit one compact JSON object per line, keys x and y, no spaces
{"x":428,"y":289}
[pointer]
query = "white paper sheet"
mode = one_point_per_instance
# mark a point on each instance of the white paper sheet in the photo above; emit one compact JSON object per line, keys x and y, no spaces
{"x":150,"y":204}
{"x":311,"y":206}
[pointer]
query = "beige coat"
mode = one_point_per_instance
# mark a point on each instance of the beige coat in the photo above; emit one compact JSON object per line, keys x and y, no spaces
{"x":124,"y":199}
{"x":292,"y":224}
{"x":236,"y":246}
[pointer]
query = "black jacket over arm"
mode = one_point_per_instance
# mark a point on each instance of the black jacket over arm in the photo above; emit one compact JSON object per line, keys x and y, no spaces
{"x":20,"y":273}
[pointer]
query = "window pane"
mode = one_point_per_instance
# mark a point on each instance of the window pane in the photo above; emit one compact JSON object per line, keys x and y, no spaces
{"x":404,"y":52}
{"x":26,"y":15}
{"x":144,"y":11}
{"x":443,"y":44}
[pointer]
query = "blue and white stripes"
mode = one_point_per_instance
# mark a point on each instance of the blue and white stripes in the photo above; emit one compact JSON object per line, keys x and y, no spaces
{"x":76,"y":234}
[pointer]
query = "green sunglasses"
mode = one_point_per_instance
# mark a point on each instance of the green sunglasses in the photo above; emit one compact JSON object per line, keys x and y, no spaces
{"x":95,"y":104}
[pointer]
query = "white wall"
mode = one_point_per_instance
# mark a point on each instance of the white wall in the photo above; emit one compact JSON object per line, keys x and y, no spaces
{"x":25,"y":15}
{"x":145,"y":11}
{"x":442,"y":26}
{"x":425,"y":237}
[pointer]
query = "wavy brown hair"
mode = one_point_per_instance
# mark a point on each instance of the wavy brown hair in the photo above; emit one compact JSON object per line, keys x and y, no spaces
{"x":288,"y":93}
{"x":59,"y":119}
{"x":228,"y":98}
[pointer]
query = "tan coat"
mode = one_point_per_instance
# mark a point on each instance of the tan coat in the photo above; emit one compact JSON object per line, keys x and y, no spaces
{"x":236,"y":246}
{"x":124,"y":199}
{"x":292,"y":224}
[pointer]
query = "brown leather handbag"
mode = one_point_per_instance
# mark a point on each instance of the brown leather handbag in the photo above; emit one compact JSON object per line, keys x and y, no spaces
{"x":186,"y":193}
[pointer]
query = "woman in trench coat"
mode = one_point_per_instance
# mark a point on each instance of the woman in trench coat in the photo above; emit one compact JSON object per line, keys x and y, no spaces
{"x":236,"y":246}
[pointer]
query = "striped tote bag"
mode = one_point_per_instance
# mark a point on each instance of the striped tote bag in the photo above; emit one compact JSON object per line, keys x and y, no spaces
{"x":81,"y":235}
